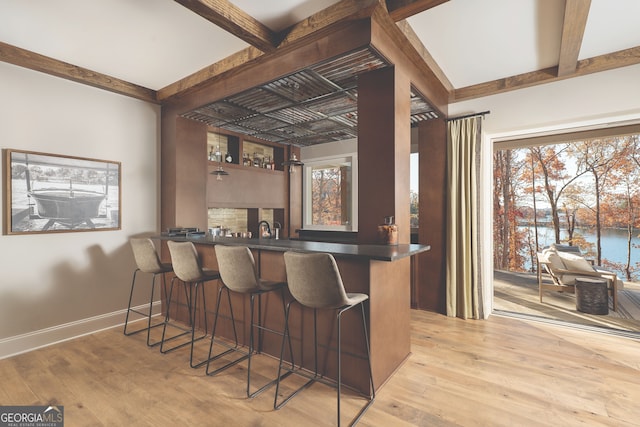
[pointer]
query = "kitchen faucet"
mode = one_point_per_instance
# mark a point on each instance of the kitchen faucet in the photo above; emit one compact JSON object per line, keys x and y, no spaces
{"x":264,"y":231}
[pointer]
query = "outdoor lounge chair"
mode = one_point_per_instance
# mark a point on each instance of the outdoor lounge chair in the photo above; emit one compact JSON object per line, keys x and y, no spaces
{"x":565,"y":267}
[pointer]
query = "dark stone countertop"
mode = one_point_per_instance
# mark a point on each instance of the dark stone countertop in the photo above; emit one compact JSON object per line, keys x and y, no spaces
{"x":375,"y":252}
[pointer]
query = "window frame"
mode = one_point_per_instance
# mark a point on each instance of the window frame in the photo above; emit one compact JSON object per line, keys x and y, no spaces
{"x":307,"y":182}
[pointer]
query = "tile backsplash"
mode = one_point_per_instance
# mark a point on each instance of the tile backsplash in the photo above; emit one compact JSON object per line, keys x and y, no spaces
{"x":235,"y":219}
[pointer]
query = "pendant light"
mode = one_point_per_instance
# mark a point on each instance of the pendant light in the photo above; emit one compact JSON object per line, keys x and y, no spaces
{"x":219,"y":172}
{"x":293,"y":161}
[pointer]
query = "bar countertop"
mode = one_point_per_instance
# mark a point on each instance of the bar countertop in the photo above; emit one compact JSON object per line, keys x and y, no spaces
{"x":374,"y":252}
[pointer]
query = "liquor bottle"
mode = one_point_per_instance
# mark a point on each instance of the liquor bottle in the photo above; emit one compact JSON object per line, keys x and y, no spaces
{"x":228,"y":158}
{"x":212,"y":156}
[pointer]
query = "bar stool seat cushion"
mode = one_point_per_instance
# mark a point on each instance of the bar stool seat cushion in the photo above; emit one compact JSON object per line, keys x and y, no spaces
{"x":186,"y":265}
{"x":239,"y":272}
{"x":328,"y":290}
{"x":146,"y":257}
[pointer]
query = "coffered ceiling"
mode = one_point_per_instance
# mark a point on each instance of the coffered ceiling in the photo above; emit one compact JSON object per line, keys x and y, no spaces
{"x":313,"y":106}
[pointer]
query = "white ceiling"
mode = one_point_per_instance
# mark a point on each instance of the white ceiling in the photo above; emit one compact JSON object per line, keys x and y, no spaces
{"x":280,"y":14}
{"x":154,"y":43}
{"x":479,"y":41}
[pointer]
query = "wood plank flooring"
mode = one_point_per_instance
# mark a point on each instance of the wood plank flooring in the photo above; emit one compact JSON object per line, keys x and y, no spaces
{"x":498,"y":372}
{"x":518,"y":292}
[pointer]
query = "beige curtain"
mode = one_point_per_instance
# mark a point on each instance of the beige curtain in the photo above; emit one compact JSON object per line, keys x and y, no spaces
{"x":464,"y":288}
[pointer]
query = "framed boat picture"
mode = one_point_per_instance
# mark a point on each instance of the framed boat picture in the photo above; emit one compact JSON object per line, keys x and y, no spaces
{"x":49,"y":193}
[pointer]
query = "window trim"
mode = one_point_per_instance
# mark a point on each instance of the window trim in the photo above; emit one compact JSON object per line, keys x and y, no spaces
{"x":306,"y":183}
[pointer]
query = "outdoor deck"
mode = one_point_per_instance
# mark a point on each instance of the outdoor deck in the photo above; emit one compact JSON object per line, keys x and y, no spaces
{"x":518,"y":293}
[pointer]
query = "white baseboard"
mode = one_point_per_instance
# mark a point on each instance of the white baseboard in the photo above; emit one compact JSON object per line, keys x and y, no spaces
{"x":12,"y":346}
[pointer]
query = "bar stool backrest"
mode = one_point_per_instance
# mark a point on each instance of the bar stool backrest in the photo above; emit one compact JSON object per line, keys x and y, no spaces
{"x":314,"y":280}
{"x":146,"y":256}
{"x":237,"y":268}
{"x":186,"y":264}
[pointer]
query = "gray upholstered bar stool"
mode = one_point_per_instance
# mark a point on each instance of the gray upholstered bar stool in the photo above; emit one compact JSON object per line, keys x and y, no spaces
{"x":315,"y":282}
{"x":239,"y":274}
{"x":186,"y":266}
{"x":147,"y":261}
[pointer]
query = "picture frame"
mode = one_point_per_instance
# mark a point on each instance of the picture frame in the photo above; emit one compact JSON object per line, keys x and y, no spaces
{"x":52,"y":193}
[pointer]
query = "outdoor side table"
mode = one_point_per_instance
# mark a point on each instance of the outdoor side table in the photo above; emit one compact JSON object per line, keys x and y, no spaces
{"x":592,"y":296}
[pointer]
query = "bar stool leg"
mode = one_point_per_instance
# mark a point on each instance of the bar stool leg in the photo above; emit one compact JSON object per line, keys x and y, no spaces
{"x":149,"y":327}
{"x":366,"y":340}
{"x":339,"y":361}
{"x":188,"y":296}
{"x":213,"y":334}
{"x":194,"y":317}
{"x":153,"y":289}
{"x":316,"y":376}
{"x":149,"y":312}
{"x":287,"y":336}
{"x":126,"y":320}
{"x":252,"y":348}
{"x":251,"y":326}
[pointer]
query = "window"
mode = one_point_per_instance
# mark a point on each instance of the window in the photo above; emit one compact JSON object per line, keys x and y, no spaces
{"x":331,"y":194}
{"x":413,"y":190}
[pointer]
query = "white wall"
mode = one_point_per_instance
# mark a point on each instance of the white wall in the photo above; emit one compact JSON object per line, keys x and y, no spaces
{"x":591,"y":100}
{"x":329,"y":149}
{"x":55,"y":286}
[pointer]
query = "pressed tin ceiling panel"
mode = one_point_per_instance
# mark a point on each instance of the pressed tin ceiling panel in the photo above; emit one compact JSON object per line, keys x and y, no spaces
{"x":313,"y":106}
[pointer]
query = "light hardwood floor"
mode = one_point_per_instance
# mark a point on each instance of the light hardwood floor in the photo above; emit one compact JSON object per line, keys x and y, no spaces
{"x":498,"y":372}
{"x":518,"y":292}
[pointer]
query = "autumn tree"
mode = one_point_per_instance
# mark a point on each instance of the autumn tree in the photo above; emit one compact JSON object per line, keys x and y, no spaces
{"x":549,"y":168}
{"x":594,"y":183}
{"x":509,"y":242}
{"x":599,"y":158}
{"x":575,"y":198}
{"x":414,"y":200}
{"x":501,"y":184}
{"x":621,"y":204}
{"x":327,"y":196}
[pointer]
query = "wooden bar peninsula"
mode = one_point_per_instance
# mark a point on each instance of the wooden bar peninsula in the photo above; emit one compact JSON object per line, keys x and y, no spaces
{"x":382,"y":272}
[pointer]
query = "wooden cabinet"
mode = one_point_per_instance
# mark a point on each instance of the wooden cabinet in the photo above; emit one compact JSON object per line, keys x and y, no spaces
{"x":251,"y":188}
{"x":254,"y":186}
{"x":225,"y":148}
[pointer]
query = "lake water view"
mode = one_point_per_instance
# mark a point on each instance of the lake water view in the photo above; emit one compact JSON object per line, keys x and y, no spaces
{"x":613,"y":242}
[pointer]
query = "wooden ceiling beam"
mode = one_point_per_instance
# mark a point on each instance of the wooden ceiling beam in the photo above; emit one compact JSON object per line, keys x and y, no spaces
{"x":609,"y":61}
{"x":215,"y":70}
{"x":313,"y":28}
{"x":267,"y":67}
{"x":388,"y":39}
{"x":34,"y":61}
{"x":229,"y":17}
{"x":316,"y":25}
{"x":575,"y":21}
{"x":402,"y":9}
